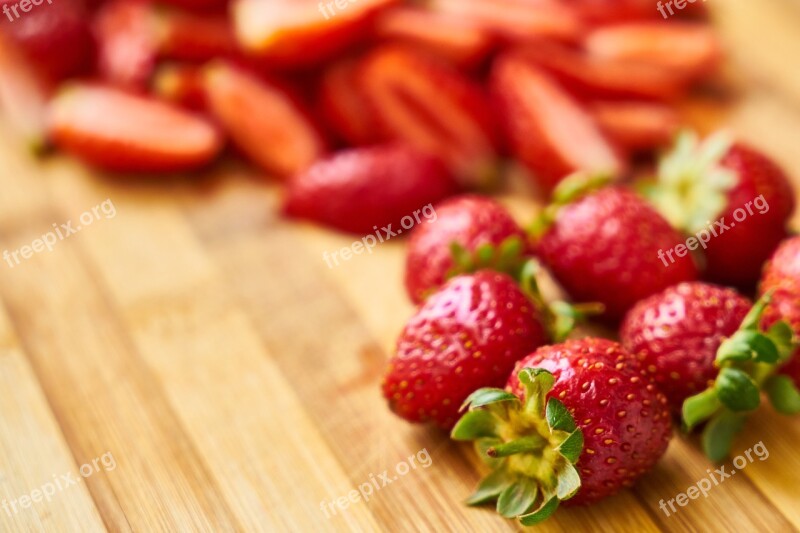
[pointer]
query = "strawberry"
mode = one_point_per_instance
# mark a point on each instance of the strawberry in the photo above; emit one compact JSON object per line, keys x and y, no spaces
{"x":481,"y":228}
{"x":609,"y":247}
{"x":192,"y":37}
{"x":55,"y":37}
{"x":266,"y":122}
{"x":611,"y":11}
{"x":298,"y":33}
{"x":678,"y":331}
{"x":467,"y":335}
{"x":119,"y":131}
{"x":547,"y":129}
{"x":735,"y":200}
{"x":365,"y":190}
{"x":636,"y":125}
{"x":577,"y":422}
{"x":428,"y":104}
{"x":127,"y":42}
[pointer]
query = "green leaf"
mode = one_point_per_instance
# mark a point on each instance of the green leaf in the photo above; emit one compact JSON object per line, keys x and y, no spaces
{"x":753,"y":319}
{"x":572,"y":446}
{"x":569,"y":481}
{"x":782,"y":335}
{"x":542,"y":513}
{"x":558,"y":417}
{"x":474,"y":425}
{"x":700,"y":407}
{"x":485,"y":254}
{"x":490,"y":487}
{"x":746,"y":345}
{"x":461,"y":258}
{"x":517,"y":498}
{"x":510,"y":252}
{"x":783,"y":395}
{"x":719,"y":433}
{"x":486,"y":396}
{"x":736,"y":390}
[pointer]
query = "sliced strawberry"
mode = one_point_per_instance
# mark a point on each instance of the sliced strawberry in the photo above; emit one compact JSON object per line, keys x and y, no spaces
{"x":690,"y":49}
{"x":264,"y":121}
{"x":591,"y":76}
{"x":341,"y":104}
{"x":181,"y":84}
{"x":548,"y":130}
{"x":433,"y":107}
{"x":198,"y":5}
{"x":23,"y":95}
{"x":192,"y":37}
{"x":516,"y":19}
{"x":292,"y":33}
{"x":460,"y":41}
{"x":119,"y":131}
{"x":637,"y":125}
{"x":611,"y":11}
{"x":127,"y":42}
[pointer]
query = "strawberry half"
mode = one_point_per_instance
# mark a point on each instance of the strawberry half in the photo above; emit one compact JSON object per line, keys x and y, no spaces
{"x":429,"y":105}
{"x":369,"y":190}
{"x":577,"y":422}
{"x":123,"y":132}
{"x":264,"y":120}
{"x":467,"y":335}
{"x":548,"y":130}
{"x":193,"y":37}
{"x":636,"y":126}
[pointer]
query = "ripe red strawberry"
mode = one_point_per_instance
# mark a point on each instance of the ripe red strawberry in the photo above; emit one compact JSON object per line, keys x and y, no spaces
{"x":577,"y":422}
{"x":379,"y":189}
{"x":467,"y":335}
{"x":428,"y":104}
{"x":611,"y":247}
{"x":119,"y":131}
{"x":677,"y":333}
{"x":733,"y":198}
{"x":482,"y":229}
{"x":55,"y":36}
{"x":267,"y":123}
{"x":127,"y":42}
{"x":547,"y":129}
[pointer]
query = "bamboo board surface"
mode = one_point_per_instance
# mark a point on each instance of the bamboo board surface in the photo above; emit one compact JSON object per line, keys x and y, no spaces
{"x":203,"y":343}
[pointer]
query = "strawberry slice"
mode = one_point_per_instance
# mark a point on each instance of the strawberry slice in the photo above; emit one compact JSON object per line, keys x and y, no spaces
{"x":690,"y":49}
{"x":23,"y":95}
{"x":637,"y":125}
{"x":548,"y":130}
{"x":264,"y":121}
{"x":181,"y":84}
{"x":292,"y":33}
{"x":460,"y":41}
{"x":192,"y":37}
{"x":341,"y":105}
{"x":127,"y":43}
{"x":612,"y":11}
{"x":198,"y":5}
{"x":118,"y":131}
{"x":434,"y":108}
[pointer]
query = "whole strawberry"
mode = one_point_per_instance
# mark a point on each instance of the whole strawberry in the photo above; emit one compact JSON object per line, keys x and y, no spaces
{"x":383,"y":188}
{"x":732,"y":198}
{"x":472,"y":231}
{"x":467,"y":335}
{"x":611,"y":247}
{"x":677,"y":333}
{"x":583,"y":421}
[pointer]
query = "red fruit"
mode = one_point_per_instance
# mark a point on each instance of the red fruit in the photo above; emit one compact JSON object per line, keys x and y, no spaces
{"x":127,"y":42}
{"x":194,"y":37}
{"x":54,"y":36}
{"x":119,"y":131}
{"x":624,"y":418}
{"x":612,"y":247}
{"x":783,"y":269}
{"x":548,"y":130}
{"x":472,"y":222}
{"x":198,"y":5}
{"x":677,"y":333}
{"x":610,"y":11}
{"x":431,"y":106}
{"x":297,"y":33}
{"x":181,"y":84}
{"x":636,"y":125}
{"x":466,"y":336}
{"x":370,"y":190}
{"x":264,"y":120}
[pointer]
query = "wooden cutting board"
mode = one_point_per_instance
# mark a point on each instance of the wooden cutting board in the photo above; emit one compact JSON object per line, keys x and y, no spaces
{"x":201,"y":344}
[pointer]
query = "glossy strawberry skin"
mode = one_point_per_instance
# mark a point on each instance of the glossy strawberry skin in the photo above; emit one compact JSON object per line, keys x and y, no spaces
{"x":737,"y":255}
{"x":467,"y":335}
{"x":471,"y":221}
{"x":363,"y":190}
{"x":677,"y":333}
{"x":624,"y":417}
{"x":605,"y":248}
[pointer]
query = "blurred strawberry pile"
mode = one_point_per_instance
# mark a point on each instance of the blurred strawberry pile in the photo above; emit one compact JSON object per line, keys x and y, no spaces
{"x":558,"y":86}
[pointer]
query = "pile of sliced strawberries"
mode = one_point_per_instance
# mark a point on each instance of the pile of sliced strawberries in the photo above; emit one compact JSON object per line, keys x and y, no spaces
{"x":558,"y":85}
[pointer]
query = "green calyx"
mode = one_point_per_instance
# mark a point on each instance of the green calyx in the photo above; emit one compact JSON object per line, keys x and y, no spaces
{"x":748,"y":362}
{"x":569,"y":190}
{"x":691,"y":186}
{"x":531,"y":444}
{"x":508,"y":257}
